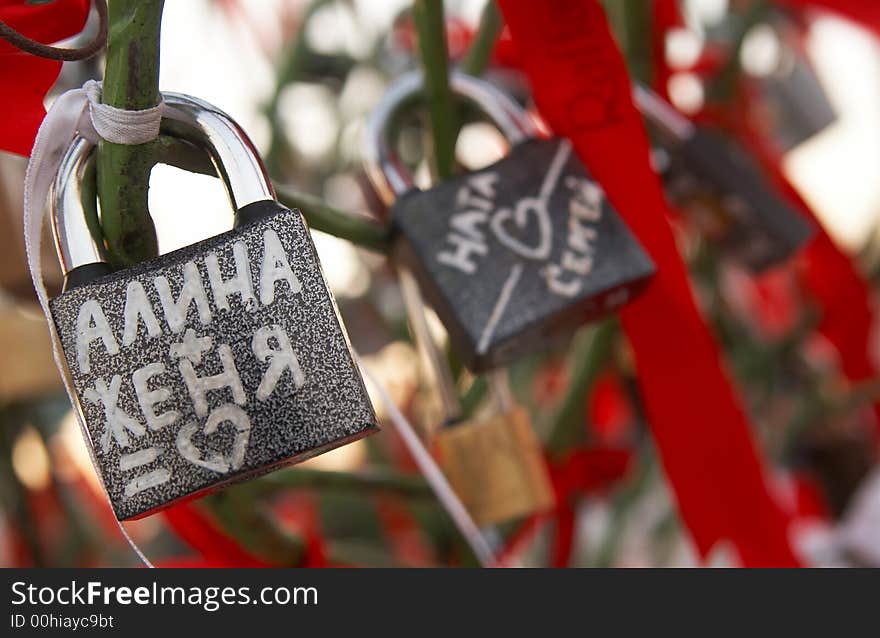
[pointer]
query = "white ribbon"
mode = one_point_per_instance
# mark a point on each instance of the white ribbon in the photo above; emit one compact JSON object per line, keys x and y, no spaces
{"x":77,"y":111}
{"x":118,"y":125}
{"x":80,"y":111}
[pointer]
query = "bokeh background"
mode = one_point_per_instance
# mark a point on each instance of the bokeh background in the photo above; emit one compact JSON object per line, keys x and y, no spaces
{"x":301,"y":77}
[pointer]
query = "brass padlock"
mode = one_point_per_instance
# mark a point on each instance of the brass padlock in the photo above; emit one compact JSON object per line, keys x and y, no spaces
{"x":496,"y":467}
{"x":494,"y":463}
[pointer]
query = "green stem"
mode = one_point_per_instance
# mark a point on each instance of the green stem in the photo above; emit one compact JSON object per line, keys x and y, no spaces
{"x":254,"y":528}
{"x":638,"y":50}
{"x":360,"y":484}
{"x":473,"y":397}
{"x":630,"y":20}
{"x":356,"y":229}
{"x":477,"y":58}
{"x":131,"y":81}
{"x":435,"y":66}
{"x":569,"y":421}
{"x":480,"y":52}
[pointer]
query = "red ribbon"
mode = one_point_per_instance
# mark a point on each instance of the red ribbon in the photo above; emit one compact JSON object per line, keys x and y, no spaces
{"x":217,"y":549}
{"x":403,"y":533}
{"x":300,"y":512}
{"x":580,"y":83}
{"x":26,"y":78}
{"x":581,"y":472}
{"x":199,"y":532}
{"x":840,"y":291}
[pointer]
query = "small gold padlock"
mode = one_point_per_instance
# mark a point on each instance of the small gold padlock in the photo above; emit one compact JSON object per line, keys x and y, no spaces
{"x":494,"y":463}
{"x":496,"y":467}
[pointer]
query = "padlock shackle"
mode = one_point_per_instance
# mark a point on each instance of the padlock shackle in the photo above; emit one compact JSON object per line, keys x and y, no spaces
{"x":662,"y":115}
{"x":73,"y":239}
{"x":390,"y":179}
{"x":236,"y":159}
{"x":386,"y":172}
{"x":236,"y":162}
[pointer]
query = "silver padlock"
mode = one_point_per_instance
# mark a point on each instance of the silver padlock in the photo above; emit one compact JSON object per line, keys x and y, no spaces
{"x":213,"y":363}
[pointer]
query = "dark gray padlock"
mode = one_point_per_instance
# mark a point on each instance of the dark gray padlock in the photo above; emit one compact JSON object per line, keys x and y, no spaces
{"x":512,"y":255}
{"x":710,"y":175}
{"x":796,"y":103}
{"x":792,"y":96}
{"x":213,"y":363}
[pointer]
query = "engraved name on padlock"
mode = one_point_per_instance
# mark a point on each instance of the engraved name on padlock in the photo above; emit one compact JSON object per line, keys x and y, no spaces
{"x":494,"y":463}
{"x":215,"y":362}
{"x":512,"y":254}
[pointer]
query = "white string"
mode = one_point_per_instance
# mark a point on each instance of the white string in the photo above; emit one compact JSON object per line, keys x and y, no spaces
{"x":118,"y":125}
{"x":76,"y":111}
{"x":434,"y":475}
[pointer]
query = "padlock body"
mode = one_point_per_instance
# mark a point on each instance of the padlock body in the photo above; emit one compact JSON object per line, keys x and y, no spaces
{"x":796,"y":104}
{"x":496,"y":467}
{"x":214,"y":363}
{"x":518,"y":253}
{"x":713,"y":178}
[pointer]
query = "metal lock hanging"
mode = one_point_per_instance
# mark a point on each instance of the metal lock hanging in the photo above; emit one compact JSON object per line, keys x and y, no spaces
{"x":496,"y":466}
{"x":514,"y":254}
{"x":216,"y":362}
{"x":494,"y":463}
{"x":792,"y":96}
{"x":714,"y":180}
{"x":796,"y":103}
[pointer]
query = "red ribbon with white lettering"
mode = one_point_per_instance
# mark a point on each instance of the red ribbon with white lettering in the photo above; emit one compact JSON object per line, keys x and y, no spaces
{"x":581,"y":86}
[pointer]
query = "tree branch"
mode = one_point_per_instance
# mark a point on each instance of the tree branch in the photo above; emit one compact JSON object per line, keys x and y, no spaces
{"x":131,"y":81}
{"x":435,"y":66}
{"x":480,"y":51}
{"x":356,"y":229}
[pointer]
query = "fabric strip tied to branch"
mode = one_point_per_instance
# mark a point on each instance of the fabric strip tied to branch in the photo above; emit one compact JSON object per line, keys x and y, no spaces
{"x":581,"y":87}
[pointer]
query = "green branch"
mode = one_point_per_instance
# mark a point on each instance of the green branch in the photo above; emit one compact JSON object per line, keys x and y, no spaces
{"x":631,"y":21}
{"x":131,"y":81}
{"x":435,"y":66}
{"x":378,"y":481}
{"x":480,"y":52}
{"x":320,"y":216}
{"x":590,"y":361}
{"x":255,"y":528}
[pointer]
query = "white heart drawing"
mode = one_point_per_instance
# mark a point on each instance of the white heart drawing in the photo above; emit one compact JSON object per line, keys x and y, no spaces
{"x":525,"y":208}
{"x":217,"y":463}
